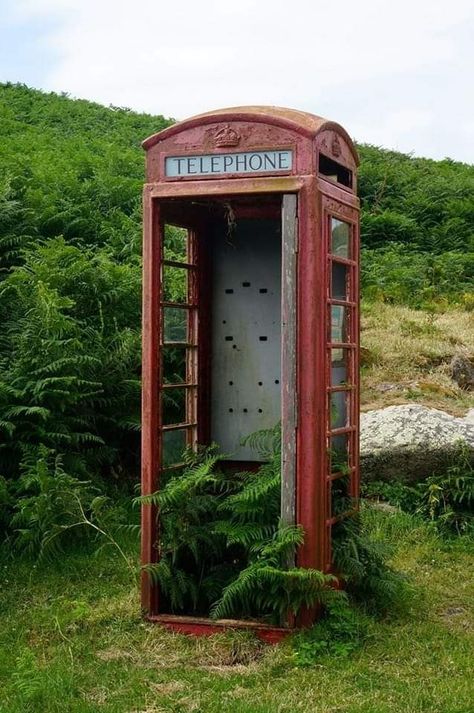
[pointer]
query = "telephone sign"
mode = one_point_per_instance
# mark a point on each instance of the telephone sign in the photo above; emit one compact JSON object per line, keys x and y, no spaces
{"x":225,"y":163}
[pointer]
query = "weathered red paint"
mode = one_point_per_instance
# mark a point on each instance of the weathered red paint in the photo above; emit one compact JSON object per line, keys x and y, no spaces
{"x":179,"y":200}
{"x":206,"y":627}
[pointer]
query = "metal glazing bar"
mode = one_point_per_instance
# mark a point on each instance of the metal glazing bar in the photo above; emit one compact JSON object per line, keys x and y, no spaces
{"x":343,"y":303}
{"x":177,"y":426}
{"x":176,"y":263}
{"x":342,"y":260}
{"x":336,"y":389}
{"x":342,"y":516}
{"x":178,"y":305}
{"x":339,"y":475}
{"x":182,"y":385}
{"x":179,"y":344}
{"x":341,"y":431}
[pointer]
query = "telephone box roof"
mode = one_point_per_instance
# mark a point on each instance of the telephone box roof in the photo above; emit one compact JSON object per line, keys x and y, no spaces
{"x":300,"y":121}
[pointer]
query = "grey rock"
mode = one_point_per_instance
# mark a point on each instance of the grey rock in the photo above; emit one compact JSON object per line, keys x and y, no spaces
{"x":469,"y":417}
{"x":462,"y":371}
{"x":410,"y":442}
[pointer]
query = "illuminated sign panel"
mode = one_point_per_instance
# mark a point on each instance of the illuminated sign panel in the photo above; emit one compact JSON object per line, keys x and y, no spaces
{"x":225,"y":163}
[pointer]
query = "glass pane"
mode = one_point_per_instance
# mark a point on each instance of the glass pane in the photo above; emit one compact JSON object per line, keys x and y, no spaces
{"x":339,"y":281}
{"x":340,"y":238}
{"x":175,"y":284}
{"x":340,"y":496}
{"x":175,"y":324}
{"x":339,"y":453}
{"x":174,"y":406}
{"x":174,"y":445}
{"x":174,"y":365}
{"x":339,"y":371}
{"x":175,"y":244}
{"x":339,"y":331}
{"x":339,"y":409}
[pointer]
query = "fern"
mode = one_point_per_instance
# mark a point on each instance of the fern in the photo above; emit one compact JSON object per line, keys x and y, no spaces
{"x":448,"y":499}
{"x":222,"y":534}
{"x":265,"y":589}
{"x":221,"y":541}
{"x":362,"y":564}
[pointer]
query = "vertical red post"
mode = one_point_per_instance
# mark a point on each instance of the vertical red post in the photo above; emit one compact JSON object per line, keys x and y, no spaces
{"x":311,"y":450}
{"x":150,"y":381}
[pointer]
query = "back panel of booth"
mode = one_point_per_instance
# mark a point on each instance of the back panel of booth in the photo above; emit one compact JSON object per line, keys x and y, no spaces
{"x":246,"y":333}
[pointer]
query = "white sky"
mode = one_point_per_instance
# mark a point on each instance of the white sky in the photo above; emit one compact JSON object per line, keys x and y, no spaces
{"x":397,"y":73}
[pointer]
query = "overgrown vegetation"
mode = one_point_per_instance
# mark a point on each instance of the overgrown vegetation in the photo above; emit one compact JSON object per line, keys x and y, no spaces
{"x":417,"y":229}
{"x":445,"y":499}
{"x":71,"y":174}
{"x":225,"y":552}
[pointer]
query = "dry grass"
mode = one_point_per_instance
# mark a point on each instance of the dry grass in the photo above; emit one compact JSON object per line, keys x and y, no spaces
{"x":406,"y":355}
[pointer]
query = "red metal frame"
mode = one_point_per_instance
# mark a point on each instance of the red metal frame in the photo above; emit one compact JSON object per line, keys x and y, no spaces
{"x":318,"y":199}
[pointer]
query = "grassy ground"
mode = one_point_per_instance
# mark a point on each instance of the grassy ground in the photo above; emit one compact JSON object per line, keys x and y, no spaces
{"x":71,"y":640}
{"x":406,"y":356}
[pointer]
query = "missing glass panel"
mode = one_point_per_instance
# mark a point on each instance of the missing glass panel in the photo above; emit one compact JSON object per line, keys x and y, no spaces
{"x":174,"y":406}
{"x":339,"y":414}
{"x":175,"y":283}
{"x":174,"y":365}
{"x":339,"y":454}
{"x":341,"y":500}
{"x":334,"y":171}
{"x":174,"y":445}
{"x":175,"y":244}
{"x":339,"y":364}
{"x":175,"y":324}
{"x":339,"y":286}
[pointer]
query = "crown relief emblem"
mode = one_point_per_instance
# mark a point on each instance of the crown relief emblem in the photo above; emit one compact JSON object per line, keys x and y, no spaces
{"x":226,"y":137}
{"x":336,"y":146}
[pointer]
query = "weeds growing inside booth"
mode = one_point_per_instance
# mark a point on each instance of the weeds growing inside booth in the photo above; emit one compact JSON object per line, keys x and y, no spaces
{"x":224,"y":551}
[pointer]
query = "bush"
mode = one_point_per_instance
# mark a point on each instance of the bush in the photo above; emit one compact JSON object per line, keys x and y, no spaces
{"x":399,"y":275}
{"x":445,"y":499}
{"x":51,"y":505}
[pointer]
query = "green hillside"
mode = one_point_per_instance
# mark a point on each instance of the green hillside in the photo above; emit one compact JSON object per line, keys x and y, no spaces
{"x":71,"y":173}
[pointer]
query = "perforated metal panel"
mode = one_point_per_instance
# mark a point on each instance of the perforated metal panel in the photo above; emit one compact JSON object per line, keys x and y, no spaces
{"x":246,"y":334}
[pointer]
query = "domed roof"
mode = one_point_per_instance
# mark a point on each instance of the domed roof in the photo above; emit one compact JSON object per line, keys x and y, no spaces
{"x":300,"y":121}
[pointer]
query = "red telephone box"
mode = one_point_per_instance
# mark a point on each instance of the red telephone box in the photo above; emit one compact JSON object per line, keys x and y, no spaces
{"x":266,"y":325}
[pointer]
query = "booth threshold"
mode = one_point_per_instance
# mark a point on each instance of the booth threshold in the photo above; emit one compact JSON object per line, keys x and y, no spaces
{"x":201,"y":626}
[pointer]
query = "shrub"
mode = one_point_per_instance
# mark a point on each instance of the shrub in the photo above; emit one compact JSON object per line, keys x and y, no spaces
{"x":447,"y":500}
{"x":341,"y":631}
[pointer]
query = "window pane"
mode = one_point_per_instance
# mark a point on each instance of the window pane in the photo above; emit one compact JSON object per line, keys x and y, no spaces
{"x":339,"y":331}
{"x":175,"y":324}
{"x":340,"y":496}
{"x":174,"y":365}
{"x":174,"y":445}
{"x":175,"y":244}
{"x":339,"y":453}
{"x":175,"y":284}
{"x":340,"y":238}
{"x":174,"y":406}
{"x":339,"y":409}
{"x":339,"y":370}
{"x":339,"y":281}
